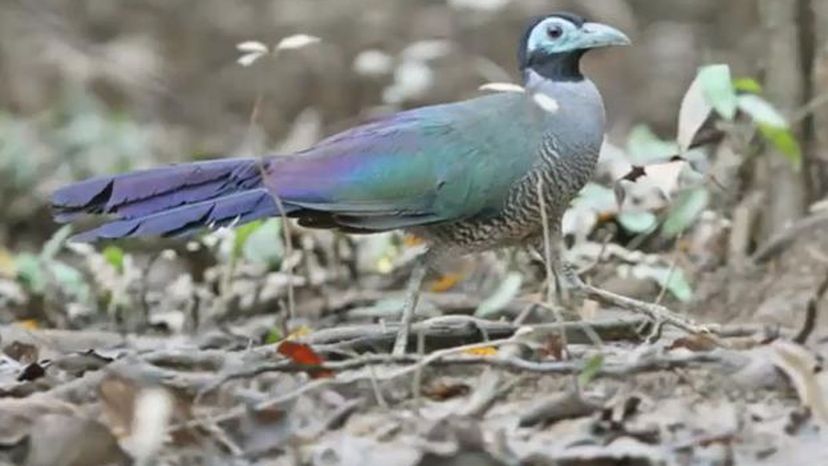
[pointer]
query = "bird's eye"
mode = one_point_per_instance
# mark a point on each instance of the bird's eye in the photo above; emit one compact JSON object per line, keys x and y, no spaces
{"x":554,"y":32}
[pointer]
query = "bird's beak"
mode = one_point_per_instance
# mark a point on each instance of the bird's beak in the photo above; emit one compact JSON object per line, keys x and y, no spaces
{"x":597,"y":35}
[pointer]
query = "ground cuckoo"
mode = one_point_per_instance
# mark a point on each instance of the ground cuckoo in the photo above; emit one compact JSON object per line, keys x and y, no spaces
{"x":468,"y":176}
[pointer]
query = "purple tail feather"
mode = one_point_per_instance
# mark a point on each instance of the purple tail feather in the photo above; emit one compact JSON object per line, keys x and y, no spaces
{"x":169,"y":201}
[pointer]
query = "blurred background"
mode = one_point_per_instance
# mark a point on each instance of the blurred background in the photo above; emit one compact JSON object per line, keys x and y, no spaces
{"x":99,"y":86}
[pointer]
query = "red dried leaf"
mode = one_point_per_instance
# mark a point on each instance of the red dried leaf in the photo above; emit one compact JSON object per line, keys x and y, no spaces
{"x":696,"y":343}
{"x":303,"y":354}
{"x":442,"y":391}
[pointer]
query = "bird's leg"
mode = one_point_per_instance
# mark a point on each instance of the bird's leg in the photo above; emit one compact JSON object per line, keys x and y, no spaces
{"x":551,"y":253}
{"x":412,"y":295}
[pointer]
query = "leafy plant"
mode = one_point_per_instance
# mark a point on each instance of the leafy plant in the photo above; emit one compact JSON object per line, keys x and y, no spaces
{"x":37,"y":273}
{"x":715,"y":90}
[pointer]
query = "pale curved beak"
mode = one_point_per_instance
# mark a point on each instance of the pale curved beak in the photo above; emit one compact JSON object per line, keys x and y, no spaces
{"x":597,"y":35}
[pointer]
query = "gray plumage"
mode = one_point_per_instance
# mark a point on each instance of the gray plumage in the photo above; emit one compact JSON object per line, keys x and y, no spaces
{"x":565,"y":149}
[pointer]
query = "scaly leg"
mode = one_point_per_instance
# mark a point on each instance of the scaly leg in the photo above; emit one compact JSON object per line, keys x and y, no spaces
{"x":412,"y":295}
{"x":551,"y":254}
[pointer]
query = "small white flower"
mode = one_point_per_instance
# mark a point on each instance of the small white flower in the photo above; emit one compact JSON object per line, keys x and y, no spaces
{"x":502,"y":87}
{"x":252,"y":46}
{"x":412,"y":79}
{"x":249,"y":58}
{"x":427,"y":50}
{"x":373,"y":63}
{"x":296,"y":41}
{"x":253,"y":50}
{"x":480,"y":5}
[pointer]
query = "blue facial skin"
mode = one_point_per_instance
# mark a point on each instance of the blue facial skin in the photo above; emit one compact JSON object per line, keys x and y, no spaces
{"x":556,"y":35}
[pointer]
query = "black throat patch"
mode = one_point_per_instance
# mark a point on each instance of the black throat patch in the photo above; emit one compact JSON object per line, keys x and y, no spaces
{"x":558,"y":66}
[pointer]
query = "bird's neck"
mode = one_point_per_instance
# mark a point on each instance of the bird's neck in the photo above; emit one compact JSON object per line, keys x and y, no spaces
{"x":581,"y":93}
{"x":561,"y":67}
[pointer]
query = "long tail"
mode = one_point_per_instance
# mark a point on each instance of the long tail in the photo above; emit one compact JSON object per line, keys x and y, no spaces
{"x":169,"y":201}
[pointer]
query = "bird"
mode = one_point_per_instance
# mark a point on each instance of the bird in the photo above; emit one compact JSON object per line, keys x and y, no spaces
{"x":493,"y":171}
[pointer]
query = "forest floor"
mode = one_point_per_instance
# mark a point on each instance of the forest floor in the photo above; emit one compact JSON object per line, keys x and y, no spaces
{"x":499,"y":387}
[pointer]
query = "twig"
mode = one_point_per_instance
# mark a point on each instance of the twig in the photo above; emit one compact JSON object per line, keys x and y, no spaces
{"x":785,"y":238}
{"x":568,"y":405}
{"x":744,"y":217}
{"x":655,"y":312}
{"x":442,"y":358}
{"x":673,"y":264}
{"x":811,"y":313}
{"x":377,"y":390}
{"x":810,"y":108}
{"x":448,"y":331}
{"x":254,"y":115}
{"x":417,"y":382}
{"x":222,"y":438}
{"x":490,"y":387}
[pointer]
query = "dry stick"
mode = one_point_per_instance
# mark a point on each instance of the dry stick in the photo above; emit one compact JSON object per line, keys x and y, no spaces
{"x":417,"y":382}
{"x":377,"y":390}
{"x":810,"y":108}
{"x":673,"y":265}
{"x":550,"y":273}
{"x":221,"y":437}
{"x":655,"y":312}
{"x":440,"y":358}
{"x":811,"y":313}
{"x":587,"y":328}
{"x":604,"y":244}
{"x":778,"y":243}
{"x":254,"y":116}
{"x":451,"y":328}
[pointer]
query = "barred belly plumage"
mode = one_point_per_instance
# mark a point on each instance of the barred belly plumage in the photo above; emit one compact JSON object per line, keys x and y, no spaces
{"x":519,"y":221}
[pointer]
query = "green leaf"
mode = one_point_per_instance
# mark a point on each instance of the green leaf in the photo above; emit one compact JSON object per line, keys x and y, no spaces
{"x":503,"y":295}
{"x":785,"y":142}
{"x":672,"y":279}
{"x":30,"y":273}
{"x":115,"y":257}
{"x":695,"y":110}
{"x":748,"y":85}
{"x":274,"y":335}
{"x":678,"y":285}
{"x":55,"y":243}
{"x":685,"y":211}
{"x":242,"y":234}
{"x":762,"y":111}
{"x":597,"y":198}
{"x":638,"y":222}
{"x":718,"y":88}
{"x":264,"y":244}
{"x":645,"y":147}
{"x":70,"y":280}
{"x":590,"y":370}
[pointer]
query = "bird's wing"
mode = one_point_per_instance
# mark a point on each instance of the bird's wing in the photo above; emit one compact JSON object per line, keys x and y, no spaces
{"x":434,"y":164}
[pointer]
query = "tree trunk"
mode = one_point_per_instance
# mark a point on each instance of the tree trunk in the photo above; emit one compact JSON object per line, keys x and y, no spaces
{"x":785,"y":87}
{"x":819,"y":88}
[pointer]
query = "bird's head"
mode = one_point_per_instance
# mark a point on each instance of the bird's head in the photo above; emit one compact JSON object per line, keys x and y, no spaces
{"x":553,"y":45}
